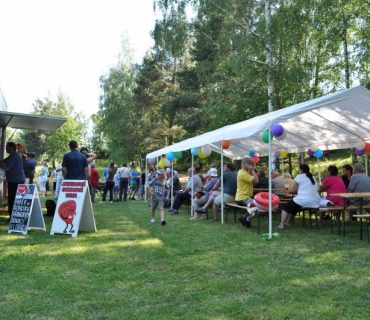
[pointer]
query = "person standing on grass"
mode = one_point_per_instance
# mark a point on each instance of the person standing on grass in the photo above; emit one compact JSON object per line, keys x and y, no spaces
{"x":28,"y":168}
{"x":74,"y":165}
{"x":124,"y":174}
{"x":94,"y":181}
{"x":134,"y":182}
{"x":156,"y":190}
{"x":109,"y":184}
{"x":42,"y":179}
{"x":13,"y":167}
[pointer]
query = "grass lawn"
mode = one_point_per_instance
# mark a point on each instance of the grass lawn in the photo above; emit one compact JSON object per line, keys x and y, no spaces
{"x":132,"y":269}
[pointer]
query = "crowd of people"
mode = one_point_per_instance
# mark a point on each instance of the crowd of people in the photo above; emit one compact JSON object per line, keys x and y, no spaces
{"x":209,"y":191}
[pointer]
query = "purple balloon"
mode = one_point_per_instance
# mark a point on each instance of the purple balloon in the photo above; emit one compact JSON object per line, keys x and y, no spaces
{"x":277,"y":129}
{"x":310,"y":152}
{"x":359,"y":152}
{"x":277,"y":154}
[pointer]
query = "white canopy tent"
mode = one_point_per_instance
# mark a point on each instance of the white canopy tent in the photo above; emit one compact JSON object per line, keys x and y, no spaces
{"x":335,"y":121}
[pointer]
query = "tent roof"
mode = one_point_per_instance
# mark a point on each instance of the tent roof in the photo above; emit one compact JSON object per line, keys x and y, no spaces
{"x":29,"y":121}
{"x":334,"y":121}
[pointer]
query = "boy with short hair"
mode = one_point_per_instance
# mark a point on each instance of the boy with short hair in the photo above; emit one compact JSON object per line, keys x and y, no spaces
{"x":156,"y":190}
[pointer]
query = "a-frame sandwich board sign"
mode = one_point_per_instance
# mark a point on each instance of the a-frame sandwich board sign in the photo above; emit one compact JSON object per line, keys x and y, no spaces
{"x":74,"y":210}
{"x":27,"y":213}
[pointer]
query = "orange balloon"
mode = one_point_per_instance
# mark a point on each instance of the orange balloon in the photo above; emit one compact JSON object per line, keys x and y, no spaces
{"x":367,"y":147}
{"x":225,"y":143}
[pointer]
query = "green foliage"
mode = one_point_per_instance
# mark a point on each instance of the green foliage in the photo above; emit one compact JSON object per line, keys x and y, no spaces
{"x":53,"y":145}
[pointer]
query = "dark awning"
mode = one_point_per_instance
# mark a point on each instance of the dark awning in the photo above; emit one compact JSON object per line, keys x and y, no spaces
{"x":29,"y":121}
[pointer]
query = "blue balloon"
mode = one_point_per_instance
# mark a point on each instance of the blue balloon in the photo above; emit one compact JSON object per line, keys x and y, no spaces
{"x":170,"y":155}
{"x":194,"y":151}
{"x":252,"y":153}
{"x":318,"y":153}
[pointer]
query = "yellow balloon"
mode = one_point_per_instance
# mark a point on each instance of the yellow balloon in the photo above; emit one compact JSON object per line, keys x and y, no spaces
{"x":283,"y":154}
{"x":201,"y":154}
{"x":162,"y":163}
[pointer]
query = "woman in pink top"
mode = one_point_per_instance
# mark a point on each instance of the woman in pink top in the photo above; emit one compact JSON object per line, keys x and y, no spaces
{"x":332,"y":184}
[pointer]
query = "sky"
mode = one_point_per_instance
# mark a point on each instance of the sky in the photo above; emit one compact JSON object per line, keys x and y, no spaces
{"x":66,"y":45}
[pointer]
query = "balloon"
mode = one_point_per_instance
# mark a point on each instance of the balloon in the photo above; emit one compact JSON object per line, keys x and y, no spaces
{"x":167,"y":162}
{"x":170,"y":156}
{"x":359,"y":152}
{"x":235,"y":142}
{"x":266,"y":136}
{"x":206,"y":150}
{"x":194,"y":151}
{"x":360,"y":145}
{"x":283,"y":154}
{"x":282,"y":136}
{"x":318,"y":153}
{"x":252,"y":153}
{"x":277,"y":129}
{"x":150,"y":162}
{"x":178,"y":155}
{"x":162,"y":163}
{"x":310,"y":152}
{"x":201,"y":154}
{"x":313,"y":147}
{"x":225,"y":143}
{"x":367,"y":147}
{"x":277,"y":154}
{"x":255,"y":159}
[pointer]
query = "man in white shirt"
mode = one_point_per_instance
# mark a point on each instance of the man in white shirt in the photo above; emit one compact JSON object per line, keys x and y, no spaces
{"x":124,"y":174}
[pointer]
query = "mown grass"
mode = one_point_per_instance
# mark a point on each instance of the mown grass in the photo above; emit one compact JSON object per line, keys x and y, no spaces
{"x":131,"y":269}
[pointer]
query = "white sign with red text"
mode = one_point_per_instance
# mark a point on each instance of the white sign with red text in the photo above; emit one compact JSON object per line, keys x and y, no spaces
{"x":74,"y":210}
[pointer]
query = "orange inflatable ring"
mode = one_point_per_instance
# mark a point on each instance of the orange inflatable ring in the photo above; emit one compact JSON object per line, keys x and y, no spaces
{"x":262,"y":198}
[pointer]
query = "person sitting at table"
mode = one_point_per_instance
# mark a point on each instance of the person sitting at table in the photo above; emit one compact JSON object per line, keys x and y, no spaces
{"x":263,"y":181}
{"x":307,"y":197}
{"x":347,"y":171}
{"x":360,"y":182}
{"x":331,"y":184}
{"x":174,"y":183}
{"x":247,"y":177}
{"x":292,"y":183}
{"x":194,"y":185}
{"x":207,"y":190}
{"x":278,"y":182}
{"x":229,"y":191}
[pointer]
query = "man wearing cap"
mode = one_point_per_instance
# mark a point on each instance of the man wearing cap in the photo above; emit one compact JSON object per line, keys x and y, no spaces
{"x":207,"y":189}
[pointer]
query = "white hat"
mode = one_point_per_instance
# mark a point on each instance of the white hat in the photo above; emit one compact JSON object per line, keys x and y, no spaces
{"x":213,"y":172}
{"x":161,"y":171}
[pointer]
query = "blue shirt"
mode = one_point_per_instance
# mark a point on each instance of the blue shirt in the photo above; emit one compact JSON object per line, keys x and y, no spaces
{"x":133,"y":175}
{"x":15,"y":164}
{"x":75,"y":162}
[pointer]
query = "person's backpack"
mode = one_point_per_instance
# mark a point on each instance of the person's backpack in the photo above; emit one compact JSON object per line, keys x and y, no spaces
{"x":50,"y":207}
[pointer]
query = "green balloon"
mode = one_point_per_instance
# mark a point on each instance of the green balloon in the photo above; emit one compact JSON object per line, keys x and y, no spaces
{"x":178,"y":155}
{"x":266,"y":136}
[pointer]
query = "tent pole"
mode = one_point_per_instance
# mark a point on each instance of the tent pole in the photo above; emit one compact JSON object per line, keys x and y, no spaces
{"x":366,"y":162}
{"x":192,"y":185}
{"x":172,"y":183}
{"x":270,"y":184}
{"x":318,"y":169}
{"x":222,"y":184}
